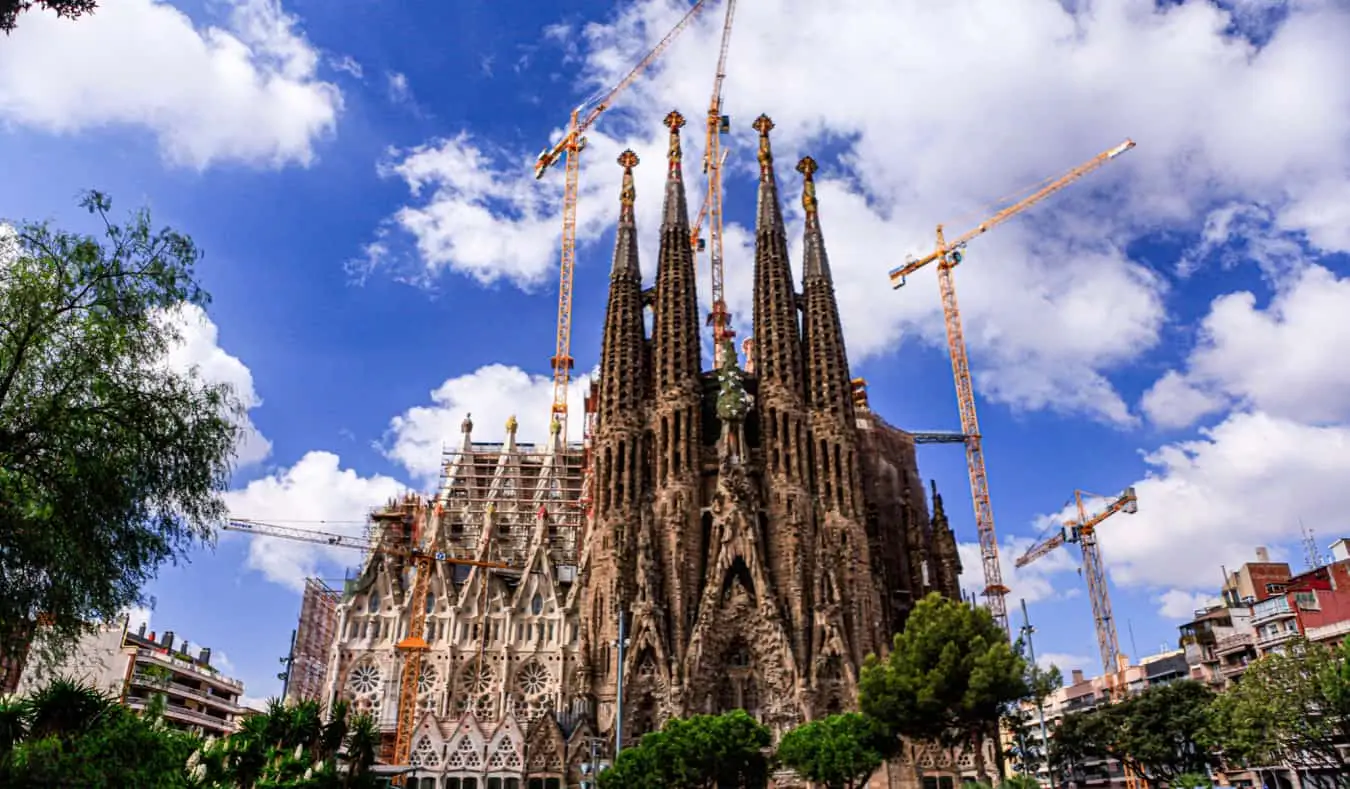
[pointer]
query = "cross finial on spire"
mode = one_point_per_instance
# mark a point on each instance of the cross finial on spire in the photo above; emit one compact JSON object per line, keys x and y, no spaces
{"x":763,"y":124}
{"x":674,"y":120}
{"x":807,"y":167}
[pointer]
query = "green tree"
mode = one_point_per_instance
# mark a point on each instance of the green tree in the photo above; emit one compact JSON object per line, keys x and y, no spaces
{"x":111,"y":462}
{"x":949,"y":675}
{"x":70,"y":9}
{"x":68,"y":734}
{"x":840,"y":751}
{"x":1160,"y":733}
{"x":726,"y":751}
{"x":1284,"y":710}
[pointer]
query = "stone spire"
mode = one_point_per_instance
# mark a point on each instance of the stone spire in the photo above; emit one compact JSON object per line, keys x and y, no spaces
{"x":783,"y":434}
{"x":620,"y":384}
{"x":676,"y":412}
{"x":778,"y":355}
{"x":829,"y":394}
{"x":946,"y":557}
{"x":675,"y":316}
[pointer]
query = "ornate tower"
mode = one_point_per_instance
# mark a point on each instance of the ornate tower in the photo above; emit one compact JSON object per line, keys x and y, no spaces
{"x":782,"y":410}
{"x":846,"y":624}
{"x":619,"y":454}
{"x":676,"y":415}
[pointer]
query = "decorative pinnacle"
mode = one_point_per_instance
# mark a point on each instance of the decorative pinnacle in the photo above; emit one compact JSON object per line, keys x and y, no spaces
{"x":807,"y":167}
{"x":762,"y":125}
{"x":674,"y":120}
{"x":511,"y":424}
{"x":628,"y":194}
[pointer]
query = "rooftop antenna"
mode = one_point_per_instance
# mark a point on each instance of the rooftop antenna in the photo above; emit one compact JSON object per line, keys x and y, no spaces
{"x":1311,"y":554}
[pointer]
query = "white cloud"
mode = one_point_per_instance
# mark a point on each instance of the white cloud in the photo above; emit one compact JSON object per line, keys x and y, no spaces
{"x":199,"y":350}
{"x":1031,"y":583}
{"x":1067,"y":663}
{"x":1212,"y":500}
{"x":1280,"y":359}
{"x":257,"y":703}
{"x":318,"y":494}
{"x":1181,"y":605}
{"x":347,"y":64}
{"x":399,"y":92}
{"x":137,"y":616}
{"x":222,"y":661}
{"x":416,"y":438}
{"x":1051,"y":303}
{"x":247,"y":92}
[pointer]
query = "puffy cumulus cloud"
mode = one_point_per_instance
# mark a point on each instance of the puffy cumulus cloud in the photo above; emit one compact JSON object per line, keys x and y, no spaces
{"x":246,"y":92}
{"x":417,"y":438}
{"x":1052,"y":303}
{"x":1032,"y":583}
{"x":137,"y":616}
{"x":1181,"y":605}
{"x":198,"y":350}
{"x":1214,"y":499}
{"x":318,"y":494}
{"x":1281,"y":360}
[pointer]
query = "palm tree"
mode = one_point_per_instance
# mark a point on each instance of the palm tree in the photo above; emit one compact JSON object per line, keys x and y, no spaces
{"x":13,"y":723}
{"x":65,"y":708}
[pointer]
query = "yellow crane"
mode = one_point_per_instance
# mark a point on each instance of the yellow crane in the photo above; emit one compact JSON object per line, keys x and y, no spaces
{"x":1083,"y":531}
{"x":569,"y":148}
{"x":948,"y":255}
{"x":713,"y":159}
{"x":391,"y":541}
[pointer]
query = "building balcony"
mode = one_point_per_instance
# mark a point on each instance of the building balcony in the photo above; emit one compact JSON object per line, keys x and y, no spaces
{"x":188,"y":667}
{"x":1271,"y":610}
{"x":1327,"y":632}
{"x":185,"y":716}
{"x":1271,"y":641}
{"x":1230,"y":644}
{"x":180,"y":690}
{"x":1231,"y":670}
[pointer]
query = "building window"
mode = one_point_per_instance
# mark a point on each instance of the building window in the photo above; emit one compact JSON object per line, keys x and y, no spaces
{"x":373,"y":602}
{"x":536,"y":604}
{"x":1307,"y":601}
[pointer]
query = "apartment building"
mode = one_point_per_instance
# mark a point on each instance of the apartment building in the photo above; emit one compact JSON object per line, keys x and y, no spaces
{"x":136,"y":667}
{"x":1081,"y":693}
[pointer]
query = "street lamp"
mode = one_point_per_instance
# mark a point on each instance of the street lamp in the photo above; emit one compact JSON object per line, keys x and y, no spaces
{"x":621,"y":645}
{"x":595,"y":765}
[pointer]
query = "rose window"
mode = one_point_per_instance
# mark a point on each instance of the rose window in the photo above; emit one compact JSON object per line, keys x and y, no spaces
{"x":477,"y":678}
{"x":365,"y":678}
{"x":427,"y":679}
{"x":533,"y":679}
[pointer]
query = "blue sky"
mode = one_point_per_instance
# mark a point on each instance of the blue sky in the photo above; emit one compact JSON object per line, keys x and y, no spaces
{"x":383,"y":262}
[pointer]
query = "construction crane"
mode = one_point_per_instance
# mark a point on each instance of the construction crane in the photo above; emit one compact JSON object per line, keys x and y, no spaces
{"x":948,"y":255}
{"x":409,"y":515}
{"x":569,"y":148}
{"x":1084,"y":532}
{"x":713,"y":159}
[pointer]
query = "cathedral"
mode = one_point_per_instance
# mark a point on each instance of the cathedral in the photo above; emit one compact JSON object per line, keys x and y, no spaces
{"x":734,"y":538}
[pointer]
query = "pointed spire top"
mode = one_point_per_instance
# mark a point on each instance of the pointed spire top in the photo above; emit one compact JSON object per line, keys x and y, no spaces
{"x":674,"y":120}
{"x":466,"y":426}
{"x":807,"y":167}
{"x":763,"y":125}
{"x":628,"y":160}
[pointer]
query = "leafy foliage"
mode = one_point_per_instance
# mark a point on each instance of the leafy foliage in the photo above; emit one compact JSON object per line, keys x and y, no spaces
{"x":68,"y":734}
{"x":111,"y":463}
{"x":840,"y":751}
{"x":950,"y":673}
{"x":1284,"y":709}
{"x":726,"y":751}
{"x":70,"y":9}
{"x":1160,"y":733}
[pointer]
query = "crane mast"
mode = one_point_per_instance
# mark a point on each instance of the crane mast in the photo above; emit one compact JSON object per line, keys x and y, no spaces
{"x":713,"y":158}
{"x":569,"y":148}
{"x":948,"y":255}
{"x":1084,"y":532}
{"x":414,"y":645}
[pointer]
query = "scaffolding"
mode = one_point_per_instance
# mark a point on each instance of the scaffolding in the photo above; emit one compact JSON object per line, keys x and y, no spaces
{"x":493,"y":495}
{"x":314,"y":637}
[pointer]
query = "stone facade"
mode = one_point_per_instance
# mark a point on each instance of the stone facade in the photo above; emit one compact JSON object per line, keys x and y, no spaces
{"x":750,"y":533}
